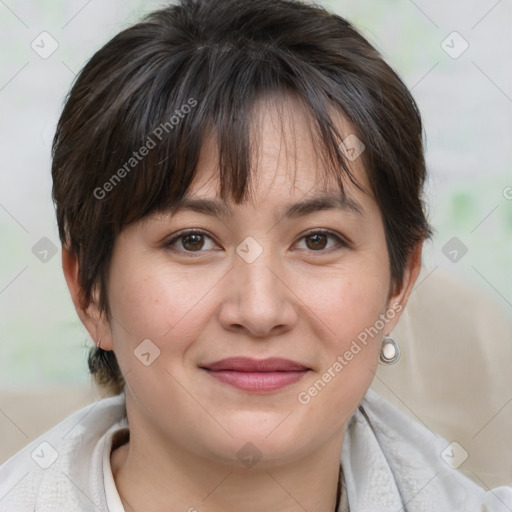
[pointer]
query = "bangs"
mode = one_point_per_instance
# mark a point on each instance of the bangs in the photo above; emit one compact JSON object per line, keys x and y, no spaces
{"x":161,"y":130}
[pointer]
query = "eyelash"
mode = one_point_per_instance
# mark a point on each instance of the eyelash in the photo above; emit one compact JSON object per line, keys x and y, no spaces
{"x":342,"y":243}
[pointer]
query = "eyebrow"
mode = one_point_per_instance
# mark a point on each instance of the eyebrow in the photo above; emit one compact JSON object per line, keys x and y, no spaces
{"x":301,"y":208}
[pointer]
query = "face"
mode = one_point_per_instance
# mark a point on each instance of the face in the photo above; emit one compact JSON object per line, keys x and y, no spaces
{"x":311,"y":286}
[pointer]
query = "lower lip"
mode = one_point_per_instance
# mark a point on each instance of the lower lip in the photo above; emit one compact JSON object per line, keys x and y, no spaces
{"x":257,"y":381}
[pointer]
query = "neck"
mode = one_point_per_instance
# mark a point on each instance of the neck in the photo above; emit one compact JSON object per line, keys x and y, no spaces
{"x":151,"y":479}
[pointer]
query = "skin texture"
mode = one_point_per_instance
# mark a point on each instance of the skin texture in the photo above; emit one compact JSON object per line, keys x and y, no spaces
{"x":302,"y":298}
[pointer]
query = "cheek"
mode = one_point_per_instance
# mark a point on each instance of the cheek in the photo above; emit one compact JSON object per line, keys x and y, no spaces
{"x":347,"y":305}
{"x":159,"y":304}
{"x":167,"y":308}
{"x":348,"y":301}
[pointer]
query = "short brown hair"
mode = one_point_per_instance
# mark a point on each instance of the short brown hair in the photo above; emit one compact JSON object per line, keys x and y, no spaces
{"x":205,"y":62}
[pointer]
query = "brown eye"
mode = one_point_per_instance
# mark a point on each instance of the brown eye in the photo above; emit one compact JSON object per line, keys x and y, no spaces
{"x":190,"y":242}
{"x":318,"y":241}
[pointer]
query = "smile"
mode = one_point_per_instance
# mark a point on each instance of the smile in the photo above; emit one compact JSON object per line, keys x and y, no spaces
{"x":256,"y":375}
{"x":257,"y":381}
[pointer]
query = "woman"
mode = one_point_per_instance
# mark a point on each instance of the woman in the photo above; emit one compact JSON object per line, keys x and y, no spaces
{"x":238,"y":192}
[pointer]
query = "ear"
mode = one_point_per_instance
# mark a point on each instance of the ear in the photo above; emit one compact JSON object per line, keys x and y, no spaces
{"x":96,"y":323}
{"x":398,"y":301}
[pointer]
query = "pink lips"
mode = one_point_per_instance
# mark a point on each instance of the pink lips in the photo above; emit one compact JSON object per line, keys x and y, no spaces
{"x":256,"y":374}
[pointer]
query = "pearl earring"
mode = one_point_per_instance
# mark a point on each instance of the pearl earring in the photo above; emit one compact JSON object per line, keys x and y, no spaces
{"x":389,"y":352}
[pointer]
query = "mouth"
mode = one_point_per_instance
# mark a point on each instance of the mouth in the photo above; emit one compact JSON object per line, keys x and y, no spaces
{"x":256,"y":375}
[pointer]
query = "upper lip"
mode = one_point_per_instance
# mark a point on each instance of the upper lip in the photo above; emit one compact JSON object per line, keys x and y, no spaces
{"x":247,"y":364}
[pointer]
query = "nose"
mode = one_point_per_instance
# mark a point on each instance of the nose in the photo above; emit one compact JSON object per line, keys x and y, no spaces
{"x":258,"y":298}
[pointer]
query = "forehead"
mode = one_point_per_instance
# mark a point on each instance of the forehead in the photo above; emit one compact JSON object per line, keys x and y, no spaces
{"x":286,"y":155}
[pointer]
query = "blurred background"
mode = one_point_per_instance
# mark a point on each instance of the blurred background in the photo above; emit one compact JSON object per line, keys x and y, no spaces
{"x":455,"y":57}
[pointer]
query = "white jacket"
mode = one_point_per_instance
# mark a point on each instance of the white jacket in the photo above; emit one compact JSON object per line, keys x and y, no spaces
{"x":390,"y":464}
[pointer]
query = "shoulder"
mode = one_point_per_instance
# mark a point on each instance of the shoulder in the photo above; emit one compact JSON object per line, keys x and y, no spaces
{"x":388,"y":455}
{"x":61,"y":469}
